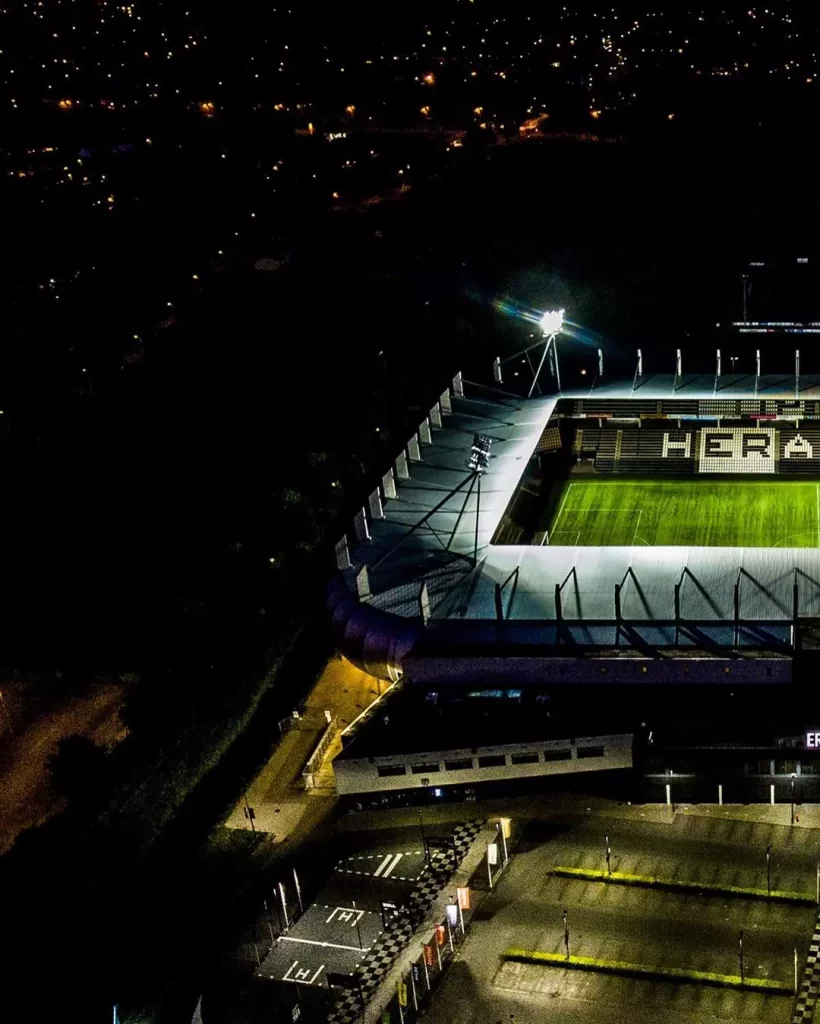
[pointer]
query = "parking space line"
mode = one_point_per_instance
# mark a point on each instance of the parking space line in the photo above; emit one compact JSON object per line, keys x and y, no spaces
{"x":383,"y":865}
{"x":317,"y":942}
{"x":392,"y":866}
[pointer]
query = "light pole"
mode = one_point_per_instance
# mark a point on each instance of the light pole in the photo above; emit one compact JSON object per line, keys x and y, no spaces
{"x":423,"y":837}
{"x":358,"y":930}
{"x":566,"y":934}
{"x":740,"y":942}
{"x":551,"y":323}
{"x":769,"y":869}
{"x":608,"y":856}
{"x":792,"y":799}
{"x":733,"y":361}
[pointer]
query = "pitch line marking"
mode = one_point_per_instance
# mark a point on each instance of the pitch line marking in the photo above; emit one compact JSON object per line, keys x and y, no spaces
{"x":561,"y":509}
{"x":637,"y":526}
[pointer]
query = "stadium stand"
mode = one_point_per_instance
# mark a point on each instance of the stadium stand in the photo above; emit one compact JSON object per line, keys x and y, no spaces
{"x":721,"y":407}
{"x":605,"y":456}
{"x":652,"y":450}
{"x":738,"y":450}
{"x":550,"y":440}
{"x":799,"y":451}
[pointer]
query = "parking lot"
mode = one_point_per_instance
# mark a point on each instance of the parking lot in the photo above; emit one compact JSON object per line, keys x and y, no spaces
{"x":635,"y":925}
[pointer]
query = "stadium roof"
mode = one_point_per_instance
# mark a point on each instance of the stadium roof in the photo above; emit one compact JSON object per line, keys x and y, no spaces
{"x":438,"y":531}
{"x":705,"y":386}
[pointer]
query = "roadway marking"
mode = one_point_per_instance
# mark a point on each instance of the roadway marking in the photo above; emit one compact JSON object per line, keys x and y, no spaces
{"x":382,"y":866}
{"x":389,"y":870}
{"x":301,"y":976}
{"x":346,"y":914}
{"x":328,"y":945}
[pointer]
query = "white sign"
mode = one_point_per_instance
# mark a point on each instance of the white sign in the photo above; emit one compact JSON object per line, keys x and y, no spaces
{"x":492,"y":854}
{"x":813,"y":739}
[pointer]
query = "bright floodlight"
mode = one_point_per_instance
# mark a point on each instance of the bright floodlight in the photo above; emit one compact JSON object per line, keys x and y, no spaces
{"x":552,"y":321}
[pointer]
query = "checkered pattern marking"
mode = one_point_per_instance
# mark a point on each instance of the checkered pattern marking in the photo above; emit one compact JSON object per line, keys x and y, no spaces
{"x":810,"y":983}
{"x":390,"y":943}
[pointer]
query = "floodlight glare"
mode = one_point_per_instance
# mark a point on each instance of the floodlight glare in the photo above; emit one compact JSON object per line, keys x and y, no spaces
{"x":552,"y":321}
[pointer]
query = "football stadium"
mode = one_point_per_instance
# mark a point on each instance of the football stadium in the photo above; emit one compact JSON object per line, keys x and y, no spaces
{"x":610,"y":554}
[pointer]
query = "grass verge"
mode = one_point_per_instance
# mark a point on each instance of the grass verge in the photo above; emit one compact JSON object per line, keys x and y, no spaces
{"x":672,"y":885}
{"x":679,"y":974}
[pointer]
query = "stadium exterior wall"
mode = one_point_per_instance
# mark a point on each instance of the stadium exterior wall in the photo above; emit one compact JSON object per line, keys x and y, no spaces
{"x":371,"y":639}
{"x":597,"y":753}
{"x":500,"y":671}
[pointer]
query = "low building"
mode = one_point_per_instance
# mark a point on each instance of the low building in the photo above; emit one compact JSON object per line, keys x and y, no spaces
{"x":413,"y":743}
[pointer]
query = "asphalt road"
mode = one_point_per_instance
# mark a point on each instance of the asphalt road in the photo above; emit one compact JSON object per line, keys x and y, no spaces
{"x":630,"y":924}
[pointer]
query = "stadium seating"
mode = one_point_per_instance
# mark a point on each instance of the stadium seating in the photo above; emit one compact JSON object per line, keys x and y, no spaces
{"x":658,"y":447}
{"x":642,"y":451}
{"x":550,"y":440}
{"x":605,"y":456}
{"x":749,"y":449}
{"x":799,"y":451}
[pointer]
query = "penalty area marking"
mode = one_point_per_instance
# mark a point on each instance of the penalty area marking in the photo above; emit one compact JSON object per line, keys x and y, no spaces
{"x":618,"y":511}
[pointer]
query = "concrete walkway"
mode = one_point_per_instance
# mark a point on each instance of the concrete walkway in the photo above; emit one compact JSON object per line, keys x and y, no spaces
{"x":281,"y":805}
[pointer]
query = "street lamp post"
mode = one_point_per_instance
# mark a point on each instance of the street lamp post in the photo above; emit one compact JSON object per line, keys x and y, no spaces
{"x":769,"y":869}
{"x":566,"y":934}
{"x":740,"y":943}
{"x":358,"y":929}
{"x":608,"y":856}
{"x":734,"y":360}
{"x":792,"y":799}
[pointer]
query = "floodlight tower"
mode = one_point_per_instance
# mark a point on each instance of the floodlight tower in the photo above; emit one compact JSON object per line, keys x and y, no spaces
{"x":551,"y":323}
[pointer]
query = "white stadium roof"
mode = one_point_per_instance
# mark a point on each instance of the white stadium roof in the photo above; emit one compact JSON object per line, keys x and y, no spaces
{"x":435,"y":534}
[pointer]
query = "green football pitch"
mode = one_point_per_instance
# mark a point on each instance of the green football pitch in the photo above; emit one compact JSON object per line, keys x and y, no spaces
{"x":699,"y":512}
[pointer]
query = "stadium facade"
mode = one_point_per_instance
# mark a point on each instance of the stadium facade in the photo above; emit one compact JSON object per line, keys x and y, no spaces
{"x":458,"y":576}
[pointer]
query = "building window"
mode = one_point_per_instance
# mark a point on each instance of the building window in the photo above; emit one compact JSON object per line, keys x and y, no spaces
{"x":590,"y":751}
{"x":423,"y":769}
{"x":557,"y":755}
{"x":385,"y":771}
{"x":764,"y":767}
{"x":459,"y":765}
{"x":492,"y":761}
{"x":531,"y":757}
